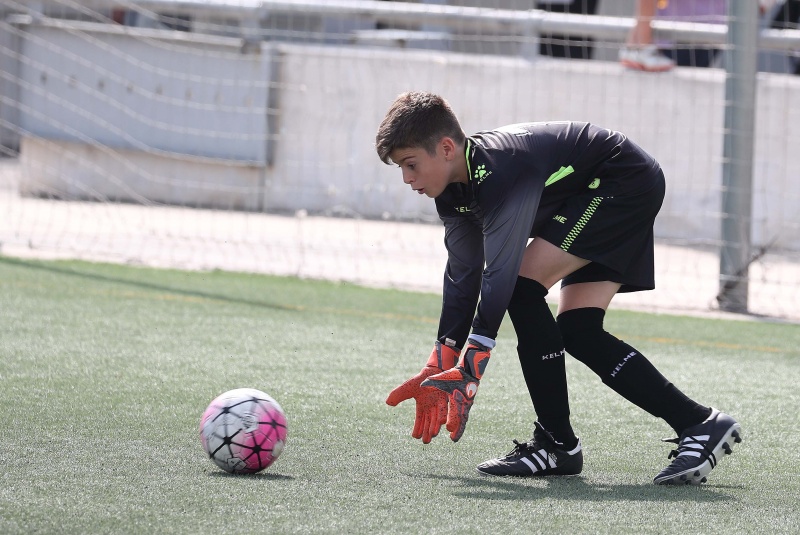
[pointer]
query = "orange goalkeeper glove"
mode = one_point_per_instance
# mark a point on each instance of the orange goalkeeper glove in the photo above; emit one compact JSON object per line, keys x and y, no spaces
{"x":461,"y":385}
{"x":431,"y":403}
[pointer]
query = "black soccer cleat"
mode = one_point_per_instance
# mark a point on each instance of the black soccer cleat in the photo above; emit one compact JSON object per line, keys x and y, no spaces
{"x":542,"y":456}
{"x":700,"y":448}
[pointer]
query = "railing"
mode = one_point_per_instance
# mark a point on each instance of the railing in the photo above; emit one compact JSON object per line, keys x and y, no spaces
{"x":477,"y":18}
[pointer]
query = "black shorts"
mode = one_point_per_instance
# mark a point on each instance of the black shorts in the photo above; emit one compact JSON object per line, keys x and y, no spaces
{"x":613,"y":228}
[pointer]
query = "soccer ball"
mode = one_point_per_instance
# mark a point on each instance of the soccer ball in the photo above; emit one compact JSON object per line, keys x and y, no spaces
{"x":243,"y":431}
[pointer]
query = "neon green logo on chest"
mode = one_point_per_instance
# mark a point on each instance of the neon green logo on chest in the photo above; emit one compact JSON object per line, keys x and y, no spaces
{"x":558,"y":175}
{"x":481,"y":173}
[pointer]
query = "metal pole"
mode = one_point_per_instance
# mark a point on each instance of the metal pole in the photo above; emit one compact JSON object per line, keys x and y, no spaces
{"x":737,"y":167}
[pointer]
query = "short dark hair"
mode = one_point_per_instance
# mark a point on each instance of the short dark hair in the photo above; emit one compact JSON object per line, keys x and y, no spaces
{"x":417,"y":119}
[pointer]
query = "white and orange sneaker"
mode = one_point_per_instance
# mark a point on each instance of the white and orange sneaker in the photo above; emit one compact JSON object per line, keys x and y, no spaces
{"x":646,"y":58}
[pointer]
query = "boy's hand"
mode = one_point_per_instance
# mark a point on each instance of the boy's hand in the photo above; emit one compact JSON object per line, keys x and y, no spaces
{"x":461,"y":385}
{"x":431,"y":403}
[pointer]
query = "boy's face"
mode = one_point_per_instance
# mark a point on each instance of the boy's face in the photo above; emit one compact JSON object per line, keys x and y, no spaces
{"x":426,"y":174}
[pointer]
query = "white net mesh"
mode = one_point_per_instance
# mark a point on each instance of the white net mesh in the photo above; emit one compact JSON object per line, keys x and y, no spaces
{"x":239,"y":135}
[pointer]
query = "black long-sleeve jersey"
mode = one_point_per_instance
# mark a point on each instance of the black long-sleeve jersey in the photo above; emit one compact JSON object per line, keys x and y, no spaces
{"x":519,"y":175}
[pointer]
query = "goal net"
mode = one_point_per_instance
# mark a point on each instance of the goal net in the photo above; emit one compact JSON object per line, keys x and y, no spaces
{"x":239,"y":135}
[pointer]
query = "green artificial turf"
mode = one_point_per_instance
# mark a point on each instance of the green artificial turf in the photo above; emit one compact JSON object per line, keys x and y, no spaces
{"x":106,"y":369}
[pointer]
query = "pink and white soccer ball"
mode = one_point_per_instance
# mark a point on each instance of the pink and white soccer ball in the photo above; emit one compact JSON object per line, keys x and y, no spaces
{"x":243,"y":431}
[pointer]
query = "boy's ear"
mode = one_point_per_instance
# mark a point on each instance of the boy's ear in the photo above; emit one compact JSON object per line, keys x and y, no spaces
{"x":448,"y":147}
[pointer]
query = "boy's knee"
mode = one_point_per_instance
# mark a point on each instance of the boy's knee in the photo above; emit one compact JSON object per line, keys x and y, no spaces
{"x":527,"y":302}
{"x":581,"y":329}
{"x":533,"y":321}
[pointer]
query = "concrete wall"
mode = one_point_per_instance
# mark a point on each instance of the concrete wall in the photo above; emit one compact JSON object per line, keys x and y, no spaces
{"x":155,"y":95}
{"x":71,"y":170}
{"x":153,"y":116}
{"x":9,"y":89}
{"x":329,"y":101}
{"x":677,"y":116}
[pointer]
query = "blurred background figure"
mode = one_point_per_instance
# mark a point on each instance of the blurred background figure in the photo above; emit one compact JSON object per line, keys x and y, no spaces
{"x":640,"y":52}
{"x":787,"y":17}
{"x":567,"y":46}
{"x":643,"y":52}
{"x":703,"y":11}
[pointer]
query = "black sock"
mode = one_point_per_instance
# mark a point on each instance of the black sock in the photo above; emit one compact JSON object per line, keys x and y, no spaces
{"x":625,"y":370}
{"x":541,"y":354}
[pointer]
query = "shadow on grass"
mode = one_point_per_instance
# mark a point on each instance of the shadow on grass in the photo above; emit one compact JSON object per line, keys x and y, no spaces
{"x":577,"y":488}
{"x":96,"y":277}
{"x":268,"y":476}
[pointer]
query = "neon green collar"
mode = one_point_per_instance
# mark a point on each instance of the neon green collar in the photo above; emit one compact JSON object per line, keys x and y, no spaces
{"x":466,"y":155}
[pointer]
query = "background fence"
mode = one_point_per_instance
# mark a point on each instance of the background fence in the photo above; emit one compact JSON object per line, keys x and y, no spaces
{"x":238,"y":135}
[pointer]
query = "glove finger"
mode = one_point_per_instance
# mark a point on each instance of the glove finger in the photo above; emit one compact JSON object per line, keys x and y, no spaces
{"x":426,"y":428}
{"x":456,"y":433}
{"x":418,"y":423}
{"x":401,"y":393}
{"x":430,"y":405}
{"x":458,"y":424}
{"x":436,"y":419}
{"x":453,"y":416}
{"x":435,"y":426}
{"x":442,"y":408}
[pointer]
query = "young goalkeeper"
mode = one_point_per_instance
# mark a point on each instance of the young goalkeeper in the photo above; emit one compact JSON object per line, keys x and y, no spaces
{"x":588,"y":196}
